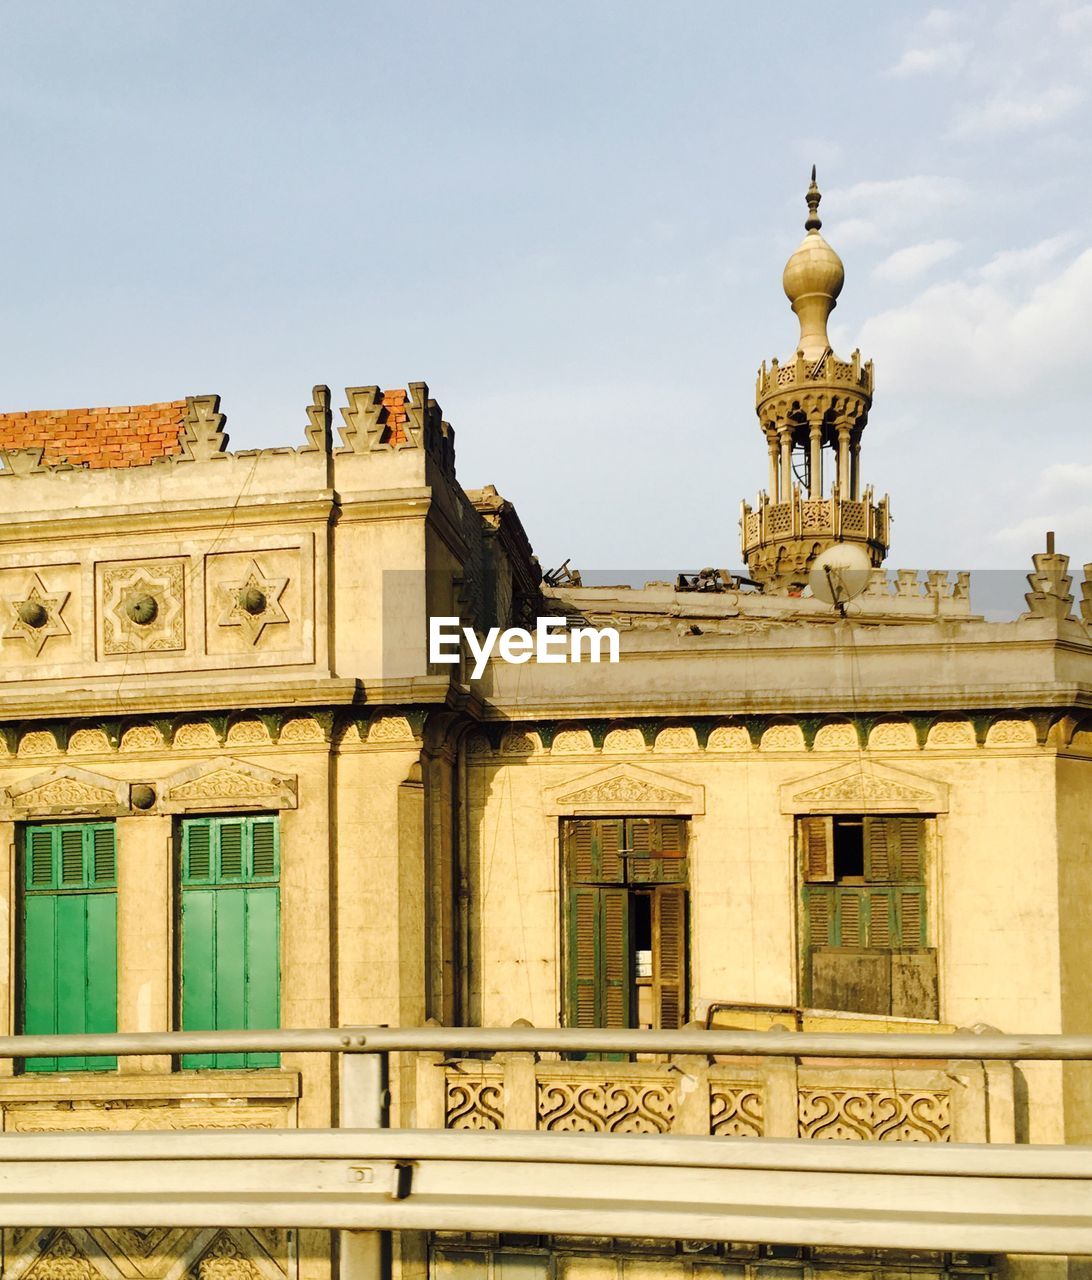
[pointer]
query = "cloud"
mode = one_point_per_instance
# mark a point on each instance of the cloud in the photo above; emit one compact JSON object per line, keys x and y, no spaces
{"x":942,"y":57}
{"x":911,"y":262}
{"x":939,"y":20}
{"x":989,"y":333}
{"x":877,"y":211}
{"x":1077,"y":21}
{"x":1007,"y":113}
{"x":1062,"y":501}
{"x":1029,"y":263}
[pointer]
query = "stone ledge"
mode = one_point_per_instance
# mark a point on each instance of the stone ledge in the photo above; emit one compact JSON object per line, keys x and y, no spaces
{"x":99,"y":1086}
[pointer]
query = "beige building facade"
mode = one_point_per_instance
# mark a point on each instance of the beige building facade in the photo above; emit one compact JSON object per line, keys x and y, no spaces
{"x":236,"y":791}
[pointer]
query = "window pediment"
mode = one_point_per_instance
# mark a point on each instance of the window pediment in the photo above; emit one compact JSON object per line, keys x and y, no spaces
{"x":226,"y":784}
{"x":66,"y":791}
{"x":864,"y":788}
{"x":624,"y":789}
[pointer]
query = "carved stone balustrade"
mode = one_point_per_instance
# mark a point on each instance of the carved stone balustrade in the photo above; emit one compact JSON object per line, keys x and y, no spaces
{"x":962,"y":1101}
{"x":780,"y":540}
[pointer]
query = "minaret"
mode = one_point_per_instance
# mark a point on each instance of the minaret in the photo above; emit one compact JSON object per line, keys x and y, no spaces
{"x":813,"y":411}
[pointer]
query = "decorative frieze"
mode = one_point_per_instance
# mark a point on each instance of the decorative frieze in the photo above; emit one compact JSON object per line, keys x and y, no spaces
{"x":769,"y":735}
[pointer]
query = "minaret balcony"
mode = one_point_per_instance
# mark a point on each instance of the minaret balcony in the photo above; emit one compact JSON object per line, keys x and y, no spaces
{"x":820,"y":520}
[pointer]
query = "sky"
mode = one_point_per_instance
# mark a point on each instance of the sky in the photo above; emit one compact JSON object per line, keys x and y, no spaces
{"x":570,"y":220}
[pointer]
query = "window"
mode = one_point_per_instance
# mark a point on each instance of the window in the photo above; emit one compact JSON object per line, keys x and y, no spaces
{"x":69,"y":937}
{"x":625,"y":922}
{"x":230,"y":932}
{"x":865,"y":925}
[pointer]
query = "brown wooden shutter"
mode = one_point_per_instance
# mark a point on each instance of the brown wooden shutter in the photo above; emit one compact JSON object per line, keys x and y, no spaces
{"x":579,"y":851}
{"x":881,"y":921}
{"x":894,"y":849}
{"x":819,"y":911}
{"x":850,"y":931}
{"x":911,"y":848}
{"x":880,"y":845}
{"x":609,"y":848}
{"x":639,"y":836}
{"x":615,"y":959}
{"x":912,"y":917}
{"x":669,"y":949}
{"x":816,"y":838}
{"x":669,"y":837}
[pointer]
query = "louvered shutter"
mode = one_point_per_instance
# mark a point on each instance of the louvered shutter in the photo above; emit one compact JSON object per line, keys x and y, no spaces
{"x":819,"y":909}
{"x":580,"y":851}
{"x":880,"y":850}
{"x":609,"y":844}
{"x":72,"y":869}
{"x":881,"y":919}
{"x":669,"y":1001}
{"x":911,"y":902}
{"x":103,"y":856}
{"x":264,"y":849}
{"x":911,"y":847}
{"x":850,"y":921}
{"x":584,"y":949}
{"x":231,"y":849}
{"x":39,"y":863}
{"x":894,"y":849}
{"x":614,"y":932}
{"x":196,"y":852}
{"x":816,"y":837}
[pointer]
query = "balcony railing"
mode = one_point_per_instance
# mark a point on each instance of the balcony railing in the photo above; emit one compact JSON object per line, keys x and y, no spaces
{"x":933,"y":1191}
{"x":838,"y":518}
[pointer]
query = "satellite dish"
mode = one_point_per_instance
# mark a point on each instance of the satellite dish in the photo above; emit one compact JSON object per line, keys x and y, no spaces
{"x":840,"y":573}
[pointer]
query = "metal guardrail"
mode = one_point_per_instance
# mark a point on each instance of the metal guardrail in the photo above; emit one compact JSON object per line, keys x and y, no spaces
{"x":900,"y":1196}
{"x":987,"y":1044}
{"x":364,"y":1179}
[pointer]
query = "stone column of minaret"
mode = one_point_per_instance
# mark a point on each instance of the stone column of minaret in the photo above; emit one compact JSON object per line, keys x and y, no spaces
{"x":815,"y":403}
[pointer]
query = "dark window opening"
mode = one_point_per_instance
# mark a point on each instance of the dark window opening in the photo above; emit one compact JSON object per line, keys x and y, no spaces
{"x":849,"y":863}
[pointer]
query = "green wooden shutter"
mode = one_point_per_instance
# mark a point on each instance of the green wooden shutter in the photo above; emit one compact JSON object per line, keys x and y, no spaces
{"x":598,"y":960}
{"x":230,"y":932}
{"x":69,"y":942}
{"x":669,"y":1001}
{"x":615,"y":979}
{"x":584,"y":949}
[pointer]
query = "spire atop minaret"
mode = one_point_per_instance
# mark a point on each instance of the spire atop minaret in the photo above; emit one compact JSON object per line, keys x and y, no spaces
{"x":813,"y":279}
{"x":813,"y":410}
{"x":813,"y":196}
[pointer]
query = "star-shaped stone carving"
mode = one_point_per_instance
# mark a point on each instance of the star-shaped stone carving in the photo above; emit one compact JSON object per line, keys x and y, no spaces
{"x":36,"y":614}
{"x":253,"y":602}
{"x":143,"y":609}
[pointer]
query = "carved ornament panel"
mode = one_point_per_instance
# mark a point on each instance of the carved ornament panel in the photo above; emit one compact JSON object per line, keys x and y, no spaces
{"x":35,"y":608}
{"x":254,"y":601}
{"x":142,"y":607}
{"x":625,"y":788}
{"x":226,"y":783}
{"x":863,"y":787}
